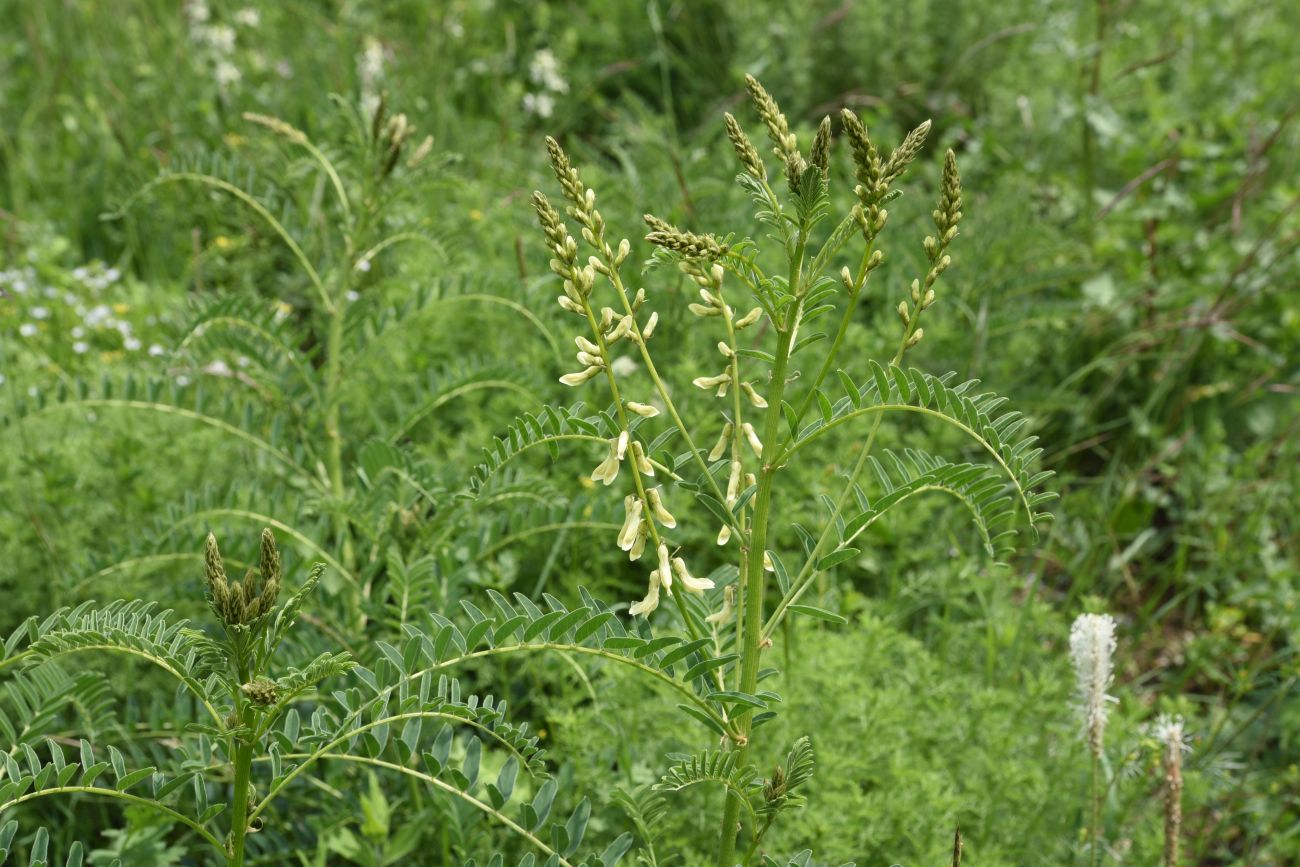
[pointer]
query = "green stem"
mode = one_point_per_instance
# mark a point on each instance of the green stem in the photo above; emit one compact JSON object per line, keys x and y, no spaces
{"x":752,"y":594}
{"x":334,"y":440}
{"x":1094,"y":831}
{"x":243,"y":772}
{"x":828,"y":531}
{"x":239,"y":809}
{"x":855,"y":293}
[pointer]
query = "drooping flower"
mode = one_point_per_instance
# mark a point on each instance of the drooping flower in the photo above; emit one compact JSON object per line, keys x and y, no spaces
{"x":665,"y":570}
{"x":632,"y":523}
{"x":651,"y":600}
{"x":607,"y":470}
{"x":689,"y":581}
{"x":656,"y":504}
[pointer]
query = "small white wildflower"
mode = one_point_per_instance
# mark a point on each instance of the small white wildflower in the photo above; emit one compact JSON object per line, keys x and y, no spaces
{"x":248,"y":17}
{"x":371,"y":62}
{"x":112,"y":275}
{"x":540,"y":104}
{"x":81,"y":347}
{"x":544,"y":69}
{"x":220,"y":37}
{"x":131,"y":344}
{"x":624,"y":366}
{"x":227,"y":74}
{"x":78,"y":332}
{"x":1168,"y":729}
{"x":1092,"y":645}
{"x":363,"y":265}
{"x":197,"y":11}
{"x":352,"y":295}
{"x":156,"y":350}
{"x":370,"y":69}
{"x":39,"y":312}
{"x":27,"y":329}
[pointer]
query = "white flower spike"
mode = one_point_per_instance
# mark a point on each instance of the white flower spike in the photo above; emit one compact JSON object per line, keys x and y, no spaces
{"x":1092,"y":645}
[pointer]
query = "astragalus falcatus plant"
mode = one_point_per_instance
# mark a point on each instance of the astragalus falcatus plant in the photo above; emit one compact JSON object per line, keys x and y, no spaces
{"x":282,"y":365}
{"x":233,"y":782}
{"x":229,"y":675}
{"x":781,"y":385}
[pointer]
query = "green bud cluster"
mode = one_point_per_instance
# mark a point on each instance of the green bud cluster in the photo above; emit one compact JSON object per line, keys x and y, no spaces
{"x":874,"y":173}
{"x":688,"y":244}
{"x":578,"y":280}
{"x":946,"y":217}
{"x":582,"y":200}
{"x":238,"y":603}
{"x":821,"y":147}
{"x":786,"y":146}
{"x":745,"y":149}
{"x":261,"y":692}
{"x":391,"y":136}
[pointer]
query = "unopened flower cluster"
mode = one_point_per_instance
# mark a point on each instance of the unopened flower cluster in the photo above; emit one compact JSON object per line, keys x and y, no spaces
{"x":240,"y":603}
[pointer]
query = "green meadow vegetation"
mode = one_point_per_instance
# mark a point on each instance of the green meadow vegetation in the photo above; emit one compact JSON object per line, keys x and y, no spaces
{"x":657,"y":433}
